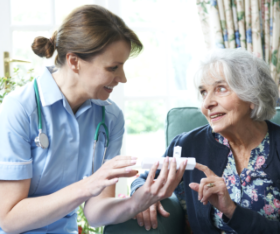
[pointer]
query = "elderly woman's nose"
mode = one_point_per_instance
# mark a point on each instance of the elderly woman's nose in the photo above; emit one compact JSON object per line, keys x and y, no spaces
{"x":209,"y":101}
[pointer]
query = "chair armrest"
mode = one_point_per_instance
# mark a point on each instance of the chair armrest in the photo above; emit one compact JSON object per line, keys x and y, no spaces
{"x":175,"y":223}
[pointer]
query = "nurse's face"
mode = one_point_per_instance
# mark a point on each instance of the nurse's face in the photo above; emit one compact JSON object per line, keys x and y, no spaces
{"x":99,"y":76}
{"x":224,"y":110}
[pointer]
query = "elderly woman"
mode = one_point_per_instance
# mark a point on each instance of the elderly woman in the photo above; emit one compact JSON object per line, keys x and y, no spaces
{"x":235,"y":186}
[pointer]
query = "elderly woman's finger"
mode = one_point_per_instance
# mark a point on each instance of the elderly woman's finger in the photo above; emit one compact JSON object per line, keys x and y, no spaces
{"x":203,"y":182}
{"x":139,"y":217}
{"x":218,"y":186}
{"x":205,"y":169}
{"x":194,"y":186}
{"x":153,"y":215}
{"x":147,"y":219}
{"x":208,"y":192}
{"x":162,"y":211}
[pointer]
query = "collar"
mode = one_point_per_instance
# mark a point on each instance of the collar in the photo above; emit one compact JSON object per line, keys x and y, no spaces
{"x":48,"y":89}
{"x":50,"y":93}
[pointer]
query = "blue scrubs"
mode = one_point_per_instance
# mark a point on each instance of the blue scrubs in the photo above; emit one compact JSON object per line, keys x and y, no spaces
{"x":70,"y":153}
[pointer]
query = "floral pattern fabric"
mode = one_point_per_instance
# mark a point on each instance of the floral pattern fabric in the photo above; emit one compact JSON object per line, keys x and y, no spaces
{"x":253,"y":189}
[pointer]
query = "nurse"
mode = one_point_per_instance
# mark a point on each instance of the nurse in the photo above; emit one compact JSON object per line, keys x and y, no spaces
{"x":41,"y":187}
{"x":43,"y":181}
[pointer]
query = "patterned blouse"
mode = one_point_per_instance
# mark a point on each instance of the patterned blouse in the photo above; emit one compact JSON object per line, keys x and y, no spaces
{"x":253,"y":189}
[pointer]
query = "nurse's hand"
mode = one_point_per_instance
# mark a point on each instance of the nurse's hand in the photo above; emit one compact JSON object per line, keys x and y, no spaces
{"x":154,"y":191}
{"x":109,"y":173}
{"x":213,"y":189}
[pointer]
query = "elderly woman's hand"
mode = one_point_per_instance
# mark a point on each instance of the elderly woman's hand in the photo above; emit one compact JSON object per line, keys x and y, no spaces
{"x":213,"y":189}
{"x":148,"y":218}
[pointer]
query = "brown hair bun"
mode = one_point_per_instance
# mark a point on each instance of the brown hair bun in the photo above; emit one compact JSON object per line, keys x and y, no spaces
{"x":44,"y":47}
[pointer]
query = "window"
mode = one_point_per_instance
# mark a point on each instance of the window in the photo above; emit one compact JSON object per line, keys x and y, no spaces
{"x":159,"y":79}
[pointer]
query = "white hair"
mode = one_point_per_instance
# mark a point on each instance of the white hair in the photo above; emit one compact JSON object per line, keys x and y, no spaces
{"x":248,"y":76}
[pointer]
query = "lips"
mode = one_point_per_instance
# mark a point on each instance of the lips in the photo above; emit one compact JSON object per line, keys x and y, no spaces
{"x":109,"y":87}
{"x":216,"y":116}
{"x":213,"y":116}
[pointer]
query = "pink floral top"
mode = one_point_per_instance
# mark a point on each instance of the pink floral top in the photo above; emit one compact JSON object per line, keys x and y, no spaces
{"x":253,"y":189}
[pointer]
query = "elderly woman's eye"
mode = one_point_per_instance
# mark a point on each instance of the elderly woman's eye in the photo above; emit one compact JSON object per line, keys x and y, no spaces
{"x":203,"y":93}
{"x":222,"y":89}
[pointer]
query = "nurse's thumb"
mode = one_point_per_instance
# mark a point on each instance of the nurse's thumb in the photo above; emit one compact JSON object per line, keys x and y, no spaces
{"x":111,"y":182}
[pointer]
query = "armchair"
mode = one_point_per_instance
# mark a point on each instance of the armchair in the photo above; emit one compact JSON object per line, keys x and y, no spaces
{"x":178,"y":120}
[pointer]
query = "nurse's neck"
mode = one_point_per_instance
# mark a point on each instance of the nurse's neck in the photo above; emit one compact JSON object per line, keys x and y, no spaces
{"x":68,"y":82}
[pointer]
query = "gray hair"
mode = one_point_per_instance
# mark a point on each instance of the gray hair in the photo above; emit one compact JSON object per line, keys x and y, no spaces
{"x":248,"y":76}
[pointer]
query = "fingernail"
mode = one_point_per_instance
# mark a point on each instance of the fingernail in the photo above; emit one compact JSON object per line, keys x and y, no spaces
{"x":141,"y":224}
{"x":132,"y":157}
{"x":166,"y":159}
{"x":128,"y":169}
{"x":185,"y":163}
{"x":199,"y":198}
{"x":174,"y":159}
{"x":154,"y":226}
{"x":148,"y":228}
{"x":133,"y":162}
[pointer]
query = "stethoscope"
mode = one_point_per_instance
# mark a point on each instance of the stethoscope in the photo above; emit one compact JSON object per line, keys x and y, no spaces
{"x":42,"y":140}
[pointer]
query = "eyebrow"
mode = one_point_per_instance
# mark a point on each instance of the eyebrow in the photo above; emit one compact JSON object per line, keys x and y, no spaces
{"x":215,"y":83}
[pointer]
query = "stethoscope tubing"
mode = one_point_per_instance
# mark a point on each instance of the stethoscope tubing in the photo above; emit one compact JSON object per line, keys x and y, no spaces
{"x":45,"y":145}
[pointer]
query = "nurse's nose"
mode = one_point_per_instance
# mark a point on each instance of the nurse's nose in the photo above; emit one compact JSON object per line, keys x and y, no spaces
{"x":121,"y":76}
{"x":210,"y":101}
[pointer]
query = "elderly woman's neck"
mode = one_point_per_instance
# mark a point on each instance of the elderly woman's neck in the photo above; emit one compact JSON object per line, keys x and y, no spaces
{"x":247,"y":136}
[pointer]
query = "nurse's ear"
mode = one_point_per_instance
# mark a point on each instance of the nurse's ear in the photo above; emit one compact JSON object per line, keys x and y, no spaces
{"x":73,"y":62}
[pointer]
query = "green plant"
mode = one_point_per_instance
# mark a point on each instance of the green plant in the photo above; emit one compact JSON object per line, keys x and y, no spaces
{"x":144,"y":116}
{"x":83,"y":225}
{"x":9,"y":83}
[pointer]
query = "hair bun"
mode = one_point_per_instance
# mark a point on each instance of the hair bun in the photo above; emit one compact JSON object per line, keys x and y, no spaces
{"x":43,"y":47}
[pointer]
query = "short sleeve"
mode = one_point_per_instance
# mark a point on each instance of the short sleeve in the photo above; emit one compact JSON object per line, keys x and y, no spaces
{"x":116,"y":137}
{"x":15,"y":154}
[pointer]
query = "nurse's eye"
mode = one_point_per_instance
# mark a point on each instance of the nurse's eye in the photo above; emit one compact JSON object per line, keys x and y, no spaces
{"x":113,"y":68}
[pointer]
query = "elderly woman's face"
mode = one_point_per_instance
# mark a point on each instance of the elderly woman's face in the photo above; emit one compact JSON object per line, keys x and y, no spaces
{"x":221,"y":106}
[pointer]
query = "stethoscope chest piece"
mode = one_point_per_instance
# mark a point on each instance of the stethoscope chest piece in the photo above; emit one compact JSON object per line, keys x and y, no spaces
{"x":42,"y":140}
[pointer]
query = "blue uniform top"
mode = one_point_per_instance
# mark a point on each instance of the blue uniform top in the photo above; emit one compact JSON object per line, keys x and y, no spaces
{"x":70,"y":153}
